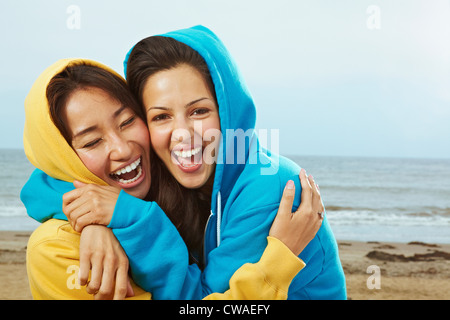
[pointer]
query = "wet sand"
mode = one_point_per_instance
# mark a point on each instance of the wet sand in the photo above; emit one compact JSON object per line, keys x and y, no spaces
{"x":374,"y":270}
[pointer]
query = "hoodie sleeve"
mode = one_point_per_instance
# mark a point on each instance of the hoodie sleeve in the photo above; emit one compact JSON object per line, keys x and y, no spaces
{"x":246,"y":220}
{"x":42,"y":196}
{"x":159,"y":259}
{"x":157,"y":254}
{"x":268,"y":279}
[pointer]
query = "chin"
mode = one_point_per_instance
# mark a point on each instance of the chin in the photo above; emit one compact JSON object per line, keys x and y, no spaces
{"x":136,"y":193}
{"x":140,"y":191}
{"x":192,"y":182}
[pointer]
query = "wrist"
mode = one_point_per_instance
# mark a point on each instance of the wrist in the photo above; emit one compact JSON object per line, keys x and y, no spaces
{"x":127,"y":211}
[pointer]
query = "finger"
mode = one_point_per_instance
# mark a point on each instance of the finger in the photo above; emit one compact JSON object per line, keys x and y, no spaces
{"x":79,"y":184}
{"x":85,"y":267}
{"x":317,"y":199}
{"x":287,"y":200}
{"x":122,"y":282}
{"x":130,"y":291}
{"x":306,"y":190}
{"x":312,"y":183}
{"x":96,"y":277}
{"x":304,"y":180}
{"x":72,"y":201}
{"x":83,"y":221}
{"x":315,"y":192}
{"x":106,"y":287}
{"x":71,"y":196}
{"x":76,"y":215}
{"x":322,"y":209}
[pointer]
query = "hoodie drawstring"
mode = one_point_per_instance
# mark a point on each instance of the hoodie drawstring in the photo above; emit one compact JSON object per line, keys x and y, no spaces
{"x":219,"y":216}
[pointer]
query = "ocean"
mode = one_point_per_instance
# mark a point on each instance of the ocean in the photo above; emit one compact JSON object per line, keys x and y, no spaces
{"x":366,"y":199}
{"x":384,"y":199}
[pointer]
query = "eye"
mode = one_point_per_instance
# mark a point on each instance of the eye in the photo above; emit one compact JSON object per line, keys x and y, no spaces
{"x":92,"y":143}
{"x":200,"y":111}
{"x":160,"y":117}
{"x":127,"y":122}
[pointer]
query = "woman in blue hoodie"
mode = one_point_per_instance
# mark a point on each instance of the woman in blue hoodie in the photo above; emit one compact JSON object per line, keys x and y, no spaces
{"x":244,"y":197}
{"x":245,"y":183}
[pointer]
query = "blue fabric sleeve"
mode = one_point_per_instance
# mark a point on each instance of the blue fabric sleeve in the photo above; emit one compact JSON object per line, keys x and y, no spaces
{"x":157,"y":254}
{"x":42,"y":196}
{"x":246,"y":220}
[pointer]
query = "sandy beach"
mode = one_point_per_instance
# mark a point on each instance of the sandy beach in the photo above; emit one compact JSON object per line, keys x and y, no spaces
{"x":408,"y":271}
{"x":374,"y":270}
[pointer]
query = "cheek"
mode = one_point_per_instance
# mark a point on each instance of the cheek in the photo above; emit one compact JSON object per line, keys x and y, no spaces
{"x":160,"y":139}
{"x":94,"y":162}
{"x":210,"y":127}
{"x":141,"y":135}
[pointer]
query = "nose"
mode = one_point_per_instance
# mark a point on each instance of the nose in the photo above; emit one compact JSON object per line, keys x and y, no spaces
{"x":120,"y":148}
{"x":182,"y":130}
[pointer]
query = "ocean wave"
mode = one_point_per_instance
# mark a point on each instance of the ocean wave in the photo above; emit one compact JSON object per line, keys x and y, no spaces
{"x":340,"y":208}
{"x":431,"y":212}
{"x":385,"y":217}
{"x":424,"y":211}
{"x":13,"y":211}
{"x":377,"y":186}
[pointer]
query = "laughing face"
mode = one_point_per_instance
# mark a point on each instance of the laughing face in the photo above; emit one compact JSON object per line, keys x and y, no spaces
{"x":183,"y":121}
{"x":110,"y":139}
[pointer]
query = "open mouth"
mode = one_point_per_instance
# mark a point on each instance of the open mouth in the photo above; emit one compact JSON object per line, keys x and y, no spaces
{"x":188,"y":159}
{"x":128,"y":174}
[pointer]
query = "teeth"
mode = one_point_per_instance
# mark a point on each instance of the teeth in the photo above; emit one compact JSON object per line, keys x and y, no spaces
{"x":128,"y":168}
{"x":133,"y":179}
{"x":187,"y":154}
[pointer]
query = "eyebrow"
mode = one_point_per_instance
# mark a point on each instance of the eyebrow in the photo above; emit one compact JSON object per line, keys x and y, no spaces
{"x":94,"y":127}
{"x":84,"y":131}
{"x":186,"y":106}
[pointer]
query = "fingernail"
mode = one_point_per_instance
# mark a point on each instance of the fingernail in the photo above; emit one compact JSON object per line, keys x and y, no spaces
{"x":290,"y":185}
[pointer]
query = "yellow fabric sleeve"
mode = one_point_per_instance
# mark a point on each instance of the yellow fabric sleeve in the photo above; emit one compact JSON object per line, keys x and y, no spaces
{"x":53,"y":265}
{"x":268,"y":279}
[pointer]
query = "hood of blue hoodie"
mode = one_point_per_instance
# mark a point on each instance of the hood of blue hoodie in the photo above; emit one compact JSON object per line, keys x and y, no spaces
{"x":236,"y":107}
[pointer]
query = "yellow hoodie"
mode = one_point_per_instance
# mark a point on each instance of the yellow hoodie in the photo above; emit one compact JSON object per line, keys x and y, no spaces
{"x":53,"y":248}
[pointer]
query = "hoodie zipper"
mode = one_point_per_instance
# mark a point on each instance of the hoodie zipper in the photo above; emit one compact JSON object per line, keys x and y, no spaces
{"x":204,"y":238}
{"x":219,"y":216}
{"x":218,"y":225}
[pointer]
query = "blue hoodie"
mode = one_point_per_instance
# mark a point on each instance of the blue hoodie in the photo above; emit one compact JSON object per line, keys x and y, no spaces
{"x":247,"y":190}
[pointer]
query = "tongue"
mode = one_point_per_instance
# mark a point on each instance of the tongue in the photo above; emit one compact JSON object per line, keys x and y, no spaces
{"x":128,"y":175}
{"x":185,"y":161}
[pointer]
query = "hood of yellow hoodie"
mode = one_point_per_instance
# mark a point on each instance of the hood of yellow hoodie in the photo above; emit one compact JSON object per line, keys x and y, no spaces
{"x":44,"y":145}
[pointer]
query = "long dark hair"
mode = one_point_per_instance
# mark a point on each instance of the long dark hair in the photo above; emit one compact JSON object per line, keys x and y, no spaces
{"x":188,"y":209}
{"x":79,"y":76}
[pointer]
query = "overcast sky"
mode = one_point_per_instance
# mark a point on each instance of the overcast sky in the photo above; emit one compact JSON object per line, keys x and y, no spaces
{"x":345,"y":78}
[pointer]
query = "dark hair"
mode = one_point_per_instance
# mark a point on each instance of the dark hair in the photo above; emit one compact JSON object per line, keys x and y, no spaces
{"x":157,"y":53}
{"x":83,"y":76}
{"x":188,"y":209}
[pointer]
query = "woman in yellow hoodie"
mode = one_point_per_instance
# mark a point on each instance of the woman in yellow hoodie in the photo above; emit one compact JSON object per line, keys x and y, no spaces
{"x":59,"y":139}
